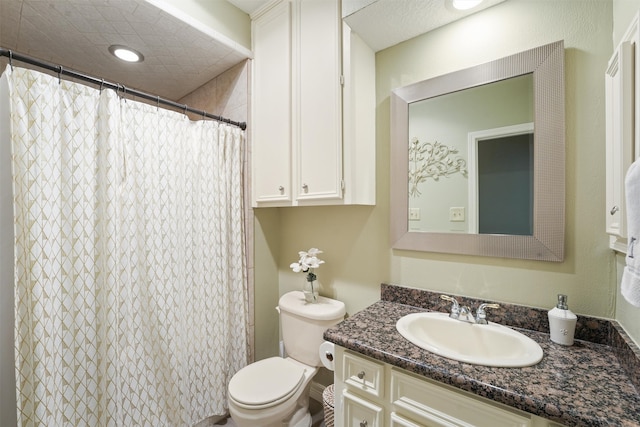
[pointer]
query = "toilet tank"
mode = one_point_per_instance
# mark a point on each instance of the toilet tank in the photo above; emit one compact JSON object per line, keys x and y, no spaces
{"x":303,"y":324}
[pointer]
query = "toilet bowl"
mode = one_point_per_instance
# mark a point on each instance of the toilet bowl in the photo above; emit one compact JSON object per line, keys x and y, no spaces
{"x":274,"y":392}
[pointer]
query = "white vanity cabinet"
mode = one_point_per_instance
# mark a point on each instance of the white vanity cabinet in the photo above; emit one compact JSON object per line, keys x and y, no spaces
{"x":313,"y":107}
{"x":623,"y":130}
{"x":369,"y":393}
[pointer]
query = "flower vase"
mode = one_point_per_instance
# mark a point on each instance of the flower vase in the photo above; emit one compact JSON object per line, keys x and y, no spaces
{"x":310,"y":291}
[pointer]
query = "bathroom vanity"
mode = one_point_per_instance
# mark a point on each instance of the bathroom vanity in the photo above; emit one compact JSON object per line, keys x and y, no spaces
{"x":371,"y":390}
{"x":381,"y":379}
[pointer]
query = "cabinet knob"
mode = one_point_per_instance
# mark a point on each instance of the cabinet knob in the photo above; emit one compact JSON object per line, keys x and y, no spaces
{"x":364,"y":423}
{"x":614,"y":210}
{"x":361,"y":374}
{"x":305,"y":187}
{"x":281,"y":188}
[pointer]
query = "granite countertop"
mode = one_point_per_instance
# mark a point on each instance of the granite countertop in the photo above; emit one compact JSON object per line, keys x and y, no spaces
{"x":587,"y":384}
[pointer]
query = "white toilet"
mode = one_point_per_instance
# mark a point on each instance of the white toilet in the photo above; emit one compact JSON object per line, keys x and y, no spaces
{"x":275,"y":391}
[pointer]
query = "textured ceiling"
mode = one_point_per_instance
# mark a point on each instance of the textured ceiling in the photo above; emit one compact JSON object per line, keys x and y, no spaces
{"x":178,"y":57}
{"x":385,"y":23}
{"x":77,"y":33}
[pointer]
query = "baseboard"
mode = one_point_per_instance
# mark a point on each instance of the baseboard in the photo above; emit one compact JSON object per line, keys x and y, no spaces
{"x":315,"y":391}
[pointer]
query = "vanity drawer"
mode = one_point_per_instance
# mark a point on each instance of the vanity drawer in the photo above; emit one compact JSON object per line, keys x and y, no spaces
{"x":361,"y":413}
{"x":363,"y":374}
{"x":442,"y":406}
{"x":400,"y":421}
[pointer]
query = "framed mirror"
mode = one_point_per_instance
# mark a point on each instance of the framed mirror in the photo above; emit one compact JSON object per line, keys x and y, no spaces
{"x":478,"y":159}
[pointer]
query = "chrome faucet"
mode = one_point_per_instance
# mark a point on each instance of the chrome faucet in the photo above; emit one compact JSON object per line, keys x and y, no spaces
{"x":455,"y":307}
{"x":481,"y":313}
{"x":464,"y":314}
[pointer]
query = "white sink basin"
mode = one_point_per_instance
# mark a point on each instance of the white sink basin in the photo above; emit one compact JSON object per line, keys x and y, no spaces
{"x":488,"y":345}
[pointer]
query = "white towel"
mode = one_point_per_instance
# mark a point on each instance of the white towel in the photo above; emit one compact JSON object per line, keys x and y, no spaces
{"x":631,"y":274}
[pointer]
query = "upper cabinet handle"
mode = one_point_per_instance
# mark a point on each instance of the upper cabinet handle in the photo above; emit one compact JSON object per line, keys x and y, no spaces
{"x":614,"y":210}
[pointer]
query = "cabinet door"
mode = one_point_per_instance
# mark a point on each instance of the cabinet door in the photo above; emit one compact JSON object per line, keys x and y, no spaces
{"x":619,"y":142}
{"x":436,"y":405}
{"x":318,"y":100}
{"x":399,"y":421}
{"x":361,"y":413}
{"x":271,"y":118}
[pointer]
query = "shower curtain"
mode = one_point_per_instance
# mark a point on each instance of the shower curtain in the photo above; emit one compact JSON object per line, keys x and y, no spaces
{"x":130,"y":275}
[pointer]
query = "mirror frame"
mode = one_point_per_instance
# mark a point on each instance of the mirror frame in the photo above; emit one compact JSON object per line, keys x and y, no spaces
{"x":547,"y":242}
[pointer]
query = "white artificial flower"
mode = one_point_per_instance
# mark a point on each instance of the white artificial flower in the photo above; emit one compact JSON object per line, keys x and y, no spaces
{"x":314,"y":252}
{"x":308,"y":259}
{"x":313,"y":262}
{"x":296,"y":267}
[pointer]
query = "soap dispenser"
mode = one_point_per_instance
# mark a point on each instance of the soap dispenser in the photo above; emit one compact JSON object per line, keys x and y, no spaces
{"x":562,"y":322}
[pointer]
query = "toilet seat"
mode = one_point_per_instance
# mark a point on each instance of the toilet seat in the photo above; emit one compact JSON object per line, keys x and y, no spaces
{"x":265,"y":383}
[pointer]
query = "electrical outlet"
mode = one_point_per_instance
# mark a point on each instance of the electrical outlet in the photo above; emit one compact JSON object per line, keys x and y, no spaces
{"x":414,"y":214}
{"x":456,"y":214}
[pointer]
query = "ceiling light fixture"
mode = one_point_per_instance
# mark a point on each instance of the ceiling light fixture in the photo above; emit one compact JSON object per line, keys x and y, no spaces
{"x":126,"y":53}
{"x":466,"y":4}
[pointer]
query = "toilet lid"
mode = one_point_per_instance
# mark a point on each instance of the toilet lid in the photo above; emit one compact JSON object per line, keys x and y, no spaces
{"x":265,"y":382}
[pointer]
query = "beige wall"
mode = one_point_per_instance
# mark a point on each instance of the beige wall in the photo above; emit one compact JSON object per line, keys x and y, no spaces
{"x":623,"y":13}
{"x":586,"y":275}
{"x":230,"y":23}
{"x":355,"y":238}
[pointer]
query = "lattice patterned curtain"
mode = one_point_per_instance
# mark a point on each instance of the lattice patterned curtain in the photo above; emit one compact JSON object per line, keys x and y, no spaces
{"x":130,"y":266}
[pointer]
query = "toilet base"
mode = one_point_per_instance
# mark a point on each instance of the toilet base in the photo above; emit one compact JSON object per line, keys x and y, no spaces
{"x":291,"y":413}
{"x":300,"y":418}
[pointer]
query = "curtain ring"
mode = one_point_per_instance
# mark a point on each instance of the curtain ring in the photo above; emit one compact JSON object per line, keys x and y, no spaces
{"x":185,"y":109}
{"x":204,"y":115}
{"x":124,"y":93}
{"x":158,"y":102}
{"x":11,"y":59}
{"x":101,"y":85}
{"x":60,"y":69}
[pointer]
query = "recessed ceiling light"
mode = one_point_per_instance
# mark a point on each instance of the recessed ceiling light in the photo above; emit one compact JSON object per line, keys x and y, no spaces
{"x":465,"y":4}
{"x":126,"y":53}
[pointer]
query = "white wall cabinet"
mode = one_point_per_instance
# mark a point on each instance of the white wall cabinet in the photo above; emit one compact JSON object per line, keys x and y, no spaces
{"x":271,"y":105}
{"x":622,"y":119}
{"x":313,"y":140}
{"x":370,"y":393}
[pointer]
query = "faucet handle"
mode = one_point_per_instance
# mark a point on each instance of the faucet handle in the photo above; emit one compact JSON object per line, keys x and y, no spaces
{"x":481,"y":314}
{"x":455,"y":307}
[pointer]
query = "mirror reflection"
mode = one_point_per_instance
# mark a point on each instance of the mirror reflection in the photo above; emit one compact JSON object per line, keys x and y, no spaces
{"x":471,"y":160}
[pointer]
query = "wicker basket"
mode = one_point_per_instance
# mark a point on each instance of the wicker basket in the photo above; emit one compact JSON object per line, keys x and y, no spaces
{"x":328,"y":402}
